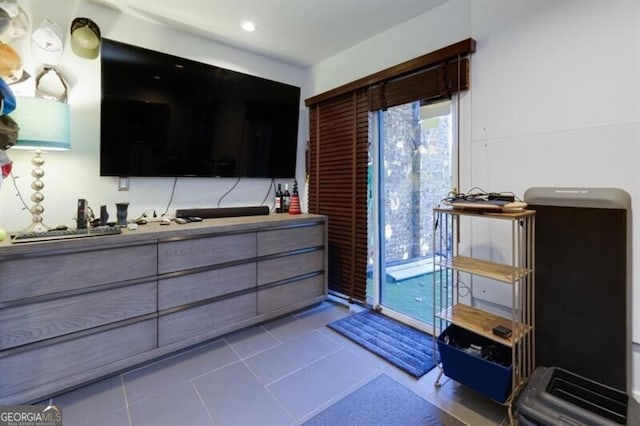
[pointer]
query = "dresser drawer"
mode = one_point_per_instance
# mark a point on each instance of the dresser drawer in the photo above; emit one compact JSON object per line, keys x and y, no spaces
{"x":24,"y":277}
{"x":185,"y":254}
{"x":38,"y":321}
{"x":31,"y":368}
{"x":289,"y":239}
{"x":189,"y":288}
{"x":272,"y":299}
{"x":205,"y":318}
{"x":285,"y":267}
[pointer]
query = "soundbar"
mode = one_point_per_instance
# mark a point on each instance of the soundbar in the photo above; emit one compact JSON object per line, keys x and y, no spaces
{"x":210,"y":213}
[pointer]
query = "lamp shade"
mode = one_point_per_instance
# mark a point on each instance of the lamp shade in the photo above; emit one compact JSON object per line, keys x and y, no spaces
{"x":44,"y":124}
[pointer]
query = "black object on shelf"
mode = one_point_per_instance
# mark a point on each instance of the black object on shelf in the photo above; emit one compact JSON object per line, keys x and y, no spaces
{"x":501,"y":331}
{"x":557,"y":396}
{"x":212,"y":213}
{"x":104,"y":216}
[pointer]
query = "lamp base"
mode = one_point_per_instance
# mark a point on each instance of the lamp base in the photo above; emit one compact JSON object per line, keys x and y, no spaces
{"x":37,"y":185}
{"x":35,"y":227}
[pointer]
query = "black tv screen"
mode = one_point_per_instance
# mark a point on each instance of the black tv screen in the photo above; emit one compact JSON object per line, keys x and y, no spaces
{"x":162,"y":115}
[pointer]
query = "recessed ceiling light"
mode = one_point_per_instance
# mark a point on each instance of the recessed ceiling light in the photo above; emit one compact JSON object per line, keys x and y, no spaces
{"x":248,"y":26}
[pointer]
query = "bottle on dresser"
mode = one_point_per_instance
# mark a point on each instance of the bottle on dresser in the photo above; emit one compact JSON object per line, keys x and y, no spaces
{"x":294,"y":208}
{"x":286,"y":199}
{"x":279,"y":197}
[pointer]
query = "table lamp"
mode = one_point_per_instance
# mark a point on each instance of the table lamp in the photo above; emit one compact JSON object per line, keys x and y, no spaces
{"x":44,"y":126}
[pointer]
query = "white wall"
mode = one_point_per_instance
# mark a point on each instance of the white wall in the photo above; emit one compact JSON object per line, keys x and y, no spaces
{"x":74,"y":174}
{"x":555,"y":102}
{"x":554,"y":99}
{"x":442,"y":26}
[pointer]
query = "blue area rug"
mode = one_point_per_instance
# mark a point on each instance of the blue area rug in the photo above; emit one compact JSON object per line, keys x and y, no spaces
{"x":403,"y":346}
{"x":383,"y":401}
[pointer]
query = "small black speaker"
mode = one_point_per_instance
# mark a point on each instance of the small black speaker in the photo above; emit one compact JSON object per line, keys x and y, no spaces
{"x":104,"y":215}
{"x":81,"y":217}
{"x":209,"y":213}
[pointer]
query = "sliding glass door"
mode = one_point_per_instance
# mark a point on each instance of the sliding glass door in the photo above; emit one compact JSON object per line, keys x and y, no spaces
{"x":412,"y":169}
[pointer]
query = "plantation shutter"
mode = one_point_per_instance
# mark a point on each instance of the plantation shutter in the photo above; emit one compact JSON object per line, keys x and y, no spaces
{"x":338,"y":155}
{"x":428,"y":85}
{"x":338,"y":150}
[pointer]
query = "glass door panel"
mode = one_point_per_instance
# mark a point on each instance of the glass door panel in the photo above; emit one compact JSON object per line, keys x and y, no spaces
{"x":412,"y":169}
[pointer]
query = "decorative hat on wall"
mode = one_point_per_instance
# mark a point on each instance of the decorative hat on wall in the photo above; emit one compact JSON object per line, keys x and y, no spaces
{"x":8,"y":127}
{"x":7,"y":99}
{"x":10,"y":6}
{"x":11,"y":69}
{"x":50,"y":85}
{"x":85,"y":38}
{"x":47,"y":43}
{"x":17,"y":28}
{"x":5,"y":21}
{"x":8,"y":132}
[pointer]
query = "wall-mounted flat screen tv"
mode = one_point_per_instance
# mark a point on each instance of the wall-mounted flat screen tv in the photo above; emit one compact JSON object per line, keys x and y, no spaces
{"x":162,"y":115}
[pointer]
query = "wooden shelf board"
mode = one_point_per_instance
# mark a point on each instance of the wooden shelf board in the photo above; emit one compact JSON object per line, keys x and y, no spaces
{"x":482,"y":322}
{"x":493,"y":270}
{"x":487,"y":213}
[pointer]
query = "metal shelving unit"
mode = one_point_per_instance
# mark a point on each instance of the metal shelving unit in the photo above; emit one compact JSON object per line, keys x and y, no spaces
{"x":449,"y":288}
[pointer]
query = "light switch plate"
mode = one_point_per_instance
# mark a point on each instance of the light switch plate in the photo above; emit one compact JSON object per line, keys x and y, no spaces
{"x":123,"y":184}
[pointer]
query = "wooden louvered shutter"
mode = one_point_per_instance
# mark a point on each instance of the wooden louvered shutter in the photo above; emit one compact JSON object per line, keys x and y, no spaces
{"x":430,"y":84}
{"x":338,"y":149}
{"x":338,"y":159}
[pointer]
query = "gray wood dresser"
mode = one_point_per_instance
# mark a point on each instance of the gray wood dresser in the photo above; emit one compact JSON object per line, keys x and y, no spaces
{"x":73,"y":311}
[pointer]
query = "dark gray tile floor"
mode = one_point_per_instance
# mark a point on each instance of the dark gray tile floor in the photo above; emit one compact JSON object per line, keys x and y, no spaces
{"x":279,"y":373}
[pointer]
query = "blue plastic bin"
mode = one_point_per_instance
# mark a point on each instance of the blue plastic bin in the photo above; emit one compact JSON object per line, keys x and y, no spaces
{"x":480,"y":374}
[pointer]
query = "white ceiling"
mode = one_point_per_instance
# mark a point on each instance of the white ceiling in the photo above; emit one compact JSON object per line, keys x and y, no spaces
{"x":300,"y":32}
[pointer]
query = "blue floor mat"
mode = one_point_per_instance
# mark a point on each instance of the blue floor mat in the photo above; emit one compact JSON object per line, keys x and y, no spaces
{"x":403,"y":346}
